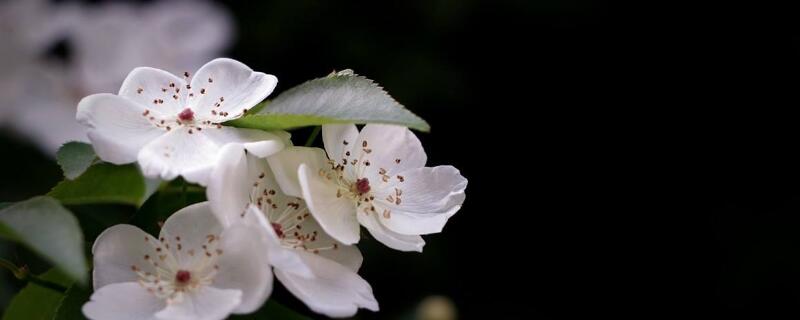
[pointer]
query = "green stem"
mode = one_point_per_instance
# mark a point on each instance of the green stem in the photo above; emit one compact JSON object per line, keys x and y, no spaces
{"x":46,"y":284}
{"x":10,"y":266}
{"x":313,"y":136}
{"x":23,"y":274}
{"x":184,"y":186}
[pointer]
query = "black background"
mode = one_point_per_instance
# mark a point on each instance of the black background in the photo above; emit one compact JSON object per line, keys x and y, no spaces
{"x":624,"y":159}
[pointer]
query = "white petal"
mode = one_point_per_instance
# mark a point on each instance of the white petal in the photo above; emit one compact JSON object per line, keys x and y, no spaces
{"x":144,"y":85}
{"x":194,"y":155}
{"x":279,"y":256}
{"x":190,"y":227}
{"x":429,"y":197}
{"x":338,"y":139}
{"x":335,"y":290}
{"x":348,"y":256}
{"x":208,"y":303}
{"x":336,"y":215}
{"x":260,"y":143}
{"x":232,"y":84}
{"x":229,"y":186}
{"x":284,"y":166}
{"x":390,"y":238}
{"x":117,"y":127}
{"x":244,"y":266}
{"x":123,"y":301}
{"x":117,"y":250}
{"x":393,"y":148}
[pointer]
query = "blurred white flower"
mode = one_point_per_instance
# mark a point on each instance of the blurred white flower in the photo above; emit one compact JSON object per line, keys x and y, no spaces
{"x":319,"y":270}
{"x":104,"y":42}
{"x":376,"y":178}
{"x":172,"y":126}
{"x":28,"y":28}
{"x":196,"y":269}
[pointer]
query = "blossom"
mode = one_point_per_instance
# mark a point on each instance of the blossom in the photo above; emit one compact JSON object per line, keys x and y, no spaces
{"x":376,"y":178}
{"x":173,"y":126}
{"x":195,"y":269}
{"x":28,"y":28}
{"x":104,"y":42}
{"x":319,"y":270}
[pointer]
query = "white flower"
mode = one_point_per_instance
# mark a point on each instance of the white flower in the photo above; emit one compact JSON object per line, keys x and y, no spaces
{"x":105,"y":42}
{"x":28,"y":28}
{"x":376,"y":178}
{"x":172,"y":126}
{"x":194,"y":270}
{"x":317,"y":269}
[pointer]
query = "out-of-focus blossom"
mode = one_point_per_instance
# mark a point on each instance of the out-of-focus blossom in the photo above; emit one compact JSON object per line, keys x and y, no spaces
{"x":104,"y":42}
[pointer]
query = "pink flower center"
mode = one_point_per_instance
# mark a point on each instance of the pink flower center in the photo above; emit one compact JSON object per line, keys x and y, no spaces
{"x":278,"y":229}
{"x":183,"y":276}
{"x":186,"y":115}
{"x":362,"y":186}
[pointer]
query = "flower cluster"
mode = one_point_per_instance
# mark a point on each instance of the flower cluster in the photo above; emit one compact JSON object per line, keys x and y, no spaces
{"x":57,"y":52}
{"x":272,"y":207}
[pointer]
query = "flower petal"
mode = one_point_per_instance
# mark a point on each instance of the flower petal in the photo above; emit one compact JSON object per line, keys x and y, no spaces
{"x":390,"y":238}
{"x":334,"y":290}
{"x":208,"y":303}
{"x":345,"y":255}
{"x":279,"y":256}
{"x":393,"y":148}
{"x":257,"y":142}
{"x":193,"y":154}
{"x":229,"y":185}
{"x":190,"y":227}
{"x":229,"y":192}
{"x":117,"y":250}
{"x":244,"y":265}
{"x":284,"y":166}
{"x":116,"y":126}
{"x":228,"y":86}
{"x":338,"y":139}
{"x":123,"y":301}
{"x":336,"y":215}
{"x":427,"y":198}
{"x":155,"y":88}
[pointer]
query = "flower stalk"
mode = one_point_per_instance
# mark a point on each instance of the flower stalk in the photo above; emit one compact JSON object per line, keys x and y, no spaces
{"x":22,"y":273}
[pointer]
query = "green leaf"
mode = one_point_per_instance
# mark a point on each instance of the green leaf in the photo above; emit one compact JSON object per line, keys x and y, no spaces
{"x":272,"y":310}
{"x":35,"y":302}
{"x":49,"y":229}
{"x":70,"y":308}
{"x":169,"y":199}
{"x":341,"y":97}
{"x":74,"y":158}
{"x":104,"y":183}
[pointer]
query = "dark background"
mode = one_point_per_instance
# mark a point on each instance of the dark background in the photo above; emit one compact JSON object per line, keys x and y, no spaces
{"x":626,"y":160}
